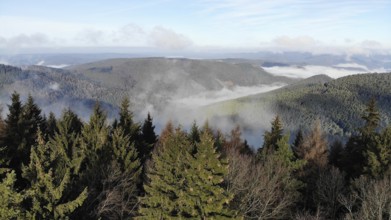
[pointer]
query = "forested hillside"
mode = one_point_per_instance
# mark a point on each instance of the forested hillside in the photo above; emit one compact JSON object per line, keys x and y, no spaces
{"x":145,"y":81}
{"x":67,"y":168}
{"x":338,"y":103}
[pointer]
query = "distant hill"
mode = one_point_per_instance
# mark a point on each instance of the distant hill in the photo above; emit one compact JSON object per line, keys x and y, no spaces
{"x":146,"y":81}
{"x":338,"y":103}
{"x":157,"y":80}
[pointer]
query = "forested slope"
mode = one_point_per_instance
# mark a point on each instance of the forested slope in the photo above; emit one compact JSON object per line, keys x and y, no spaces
{"x":338,"y":103}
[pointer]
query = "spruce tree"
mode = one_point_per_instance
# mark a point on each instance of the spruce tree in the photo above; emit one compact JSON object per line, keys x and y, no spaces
{"x":118,"y":199}
{"x":45,"y":195}
{"x":149,"y":138}
{"x":31,"y":122}
{"x":355,"y":155}
{"x":207,"y":198}
{"x":378,"y":154}
{"x":10,"y":199}
{"x":130,"y":128}
{"x":165,"y":195}
{"x":194,"y":134}
{"x":271,"y":138}
{"x":13,"y":133}
{"x":51,"y":126}
{"x":95,"y":155}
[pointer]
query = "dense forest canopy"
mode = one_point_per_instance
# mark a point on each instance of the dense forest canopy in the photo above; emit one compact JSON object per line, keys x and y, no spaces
{"x":67,"y":168}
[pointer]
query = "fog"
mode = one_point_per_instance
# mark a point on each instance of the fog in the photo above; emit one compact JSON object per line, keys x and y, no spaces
{"x":211,"y":97}
{"x":336,"y":71}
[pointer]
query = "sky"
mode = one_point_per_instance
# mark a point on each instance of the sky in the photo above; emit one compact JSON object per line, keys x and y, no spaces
{"x":357,"y":26}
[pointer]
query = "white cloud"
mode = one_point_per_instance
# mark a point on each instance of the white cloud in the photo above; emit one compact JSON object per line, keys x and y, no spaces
{"x":165,"y":38}
{"x":91,"y":36}
{"x":295,"y":42}
{"x":25,"y":40}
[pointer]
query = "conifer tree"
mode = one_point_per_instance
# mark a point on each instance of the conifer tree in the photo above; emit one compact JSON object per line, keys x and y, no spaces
{"x":126,"y":121}
{"x":118,"y":199}
{"x":194,"y":134}
{"x":45,"y":195}
{"x":67,"y":151}
{"x":31,"y":122}
{"x":355,"y":155}
{"x":149,"y":138}
{"x":51,"y":126}
{"x":271,"y":138}
{"x":378,"y":154}
{"x":207,"y":199}
{"x":13,"y":133}
{"x":165,"y":195}
{"x":95,"y":158}
{"x":10,"y":199}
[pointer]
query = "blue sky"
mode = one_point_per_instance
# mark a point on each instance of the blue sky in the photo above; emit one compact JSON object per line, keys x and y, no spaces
{"x":359,"y":26}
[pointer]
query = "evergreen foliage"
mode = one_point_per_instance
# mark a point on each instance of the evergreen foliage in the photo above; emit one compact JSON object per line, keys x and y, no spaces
{"x":13,"y":132}
{"x":77,"y":170}
{"x":10,"y":199}
{"x":207,"y":197}
{"x":149,"y":138}
{"x":46,"y":194}
{"x":118,"y":199}
{"x":271,"y":137}
{"x":165,"y":195}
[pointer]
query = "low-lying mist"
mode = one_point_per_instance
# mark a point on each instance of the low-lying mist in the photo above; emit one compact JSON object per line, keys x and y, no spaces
{"x":336,"y":71}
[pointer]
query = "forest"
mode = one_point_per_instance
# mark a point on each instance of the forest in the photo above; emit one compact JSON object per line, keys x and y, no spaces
{"x":67,"y":168}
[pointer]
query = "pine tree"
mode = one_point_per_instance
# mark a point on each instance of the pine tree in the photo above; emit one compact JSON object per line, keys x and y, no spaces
{"x":46,"y":192}
{"x":149,"y":138}
{"x":371,"y":118}
{"x":194,"y":134}
{"x":118,"y":199}
{"x":355,"y":155}
{"x":132,"y":129}
{"x":271,"y":138}
{"x":31,"y":122}
{"x":51,"y":126}
{"x":96,"y":156}
{"x":13,"y":133}
{"x":10,"y":199}
{"x":165,"y":195}
{"x":378,"y":154}
{"x":126,"y":121}
{"x":207,"y":199}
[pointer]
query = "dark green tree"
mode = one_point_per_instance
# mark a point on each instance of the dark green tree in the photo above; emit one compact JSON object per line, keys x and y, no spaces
{"x":194,"y":134}
{"x":355,"y":155}
{"x":51,"y":125}
{"x":96,"y":156}
{"x":271,"y":137}
{"x":13,"y":133}
{"x":165,"y":194}
{"x":378,"y":154}
{"x":45,"y":195}
{"x":149,"y":138}
{"x":119,"y":197}
{"x":207,"y":198}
